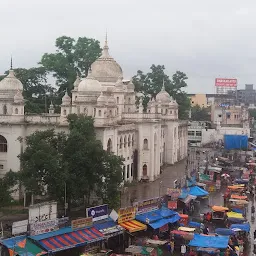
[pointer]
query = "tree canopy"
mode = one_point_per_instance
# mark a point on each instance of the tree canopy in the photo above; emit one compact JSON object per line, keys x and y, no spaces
{"x":72,"y":57}
{"x":77,"y":159}
{"x":150,"y":84}
{"x":200,"y":113}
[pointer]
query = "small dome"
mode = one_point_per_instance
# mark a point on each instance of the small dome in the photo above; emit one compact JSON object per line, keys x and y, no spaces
{"x":111,"y":100}
{"x":66,"y":100}
{"x":11,"y":83}
{"x":89,"y":84}
{"x":101,"y":99}
{"x":18,"y":97}
{"x":130,"y":85}
{"x":163,"y":96}
{"x":105,"y":68}
{"x":77,"y":82}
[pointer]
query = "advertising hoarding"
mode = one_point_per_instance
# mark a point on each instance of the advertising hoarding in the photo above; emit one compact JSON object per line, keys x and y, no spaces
{"x":98,"y":212}
{"x":148,"y":205}
{"x":38,"y":228}
{"x":42,"y":212}
{"x":126,"y":214}
{"x":81,"y":223}
{"x":19,"y":227}
{"x":174,"y":193}
{"x":225,"y":82}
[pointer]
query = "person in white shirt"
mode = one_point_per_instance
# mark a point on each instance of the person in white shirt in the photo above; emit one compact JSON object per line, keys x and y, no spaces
{"x":183,"y":249}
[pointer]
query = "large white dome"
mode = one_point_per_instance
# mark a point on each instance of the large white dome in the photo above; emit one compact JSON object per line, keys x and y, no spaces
{"x":163,"y":96}
{"x":11,"y":83}
{"x":89,"y":84}
{"x":105,"y":68}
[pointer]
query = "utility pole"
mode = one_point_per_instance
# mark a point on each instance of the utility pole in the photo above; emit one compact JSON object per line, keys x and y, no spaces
{"x":65,"y":199}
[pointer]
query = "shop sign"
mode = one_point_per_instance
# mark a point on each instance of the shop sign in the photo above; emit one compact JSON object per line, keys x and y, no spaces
{"x":62,"y":222}
{"x":81,"y":223}
{"x":38,"y":228}
{"x":98,"y":212}
{"x":19,"y":227}
{"x":164,"y":228}
{"x":148,"y":205}
{"x":172,"y":205}
{"x":173,"y":193}
{"x":126,"y":214}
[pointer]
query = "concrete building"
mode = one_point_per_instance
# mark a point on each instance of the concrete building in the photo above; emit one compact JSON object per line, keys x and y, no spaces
{"x":145,"y":140}
{"x":198,"y":99}
{"x":246,"y":96}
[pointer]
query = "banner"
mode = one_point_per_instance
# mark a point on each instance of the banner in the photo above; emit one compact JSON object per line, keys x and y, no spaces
{"x":148,"y":205}
{"x":172,"y":205}
{"x":174,"y":193}
{"x":223,"y":82}
{"x":126,"y":214}
{"x":98,"y":212}
{"x":81,"y":223}
{"x":38,"y":228}
{"x":19,"y":227}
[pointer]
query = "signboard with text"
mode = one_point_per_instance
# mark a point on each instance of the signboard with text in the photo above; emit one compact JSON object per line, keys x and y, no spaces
{"x":224,"y":82}
{"x":19,"y":227}
{"x":38,"y":228}
{"x":82,"y":223}
{"x":148,"y":205}
{"x":172,"y":205}
{"x":98,"y":212}
{"x":126,"y":214}
{"x":173,"y":193}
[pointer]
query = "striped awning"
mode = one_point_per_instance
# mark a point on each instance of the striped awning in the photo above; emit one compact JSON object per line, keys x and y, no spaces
{"x":133,"y":226}
{"x":70,"y":240}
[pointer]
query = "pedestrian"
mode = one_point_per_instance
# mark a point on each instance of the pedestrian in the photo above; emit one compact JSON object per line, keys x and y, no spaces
{"x":172,"y":246}
{"x":254,"y":234}
{"x":252,"y":210}
{"x":183,"y":250}
{"x":206,"y":230}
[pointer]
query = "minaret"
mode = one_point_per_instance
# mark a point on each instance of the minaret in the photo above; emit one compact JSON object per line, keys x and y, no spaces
{"x":51,"y":108}
{"x":105,"y":53}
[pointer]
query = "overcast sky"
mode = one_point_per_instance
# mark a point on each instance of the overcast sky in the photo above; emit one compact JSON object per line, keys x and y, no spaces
{"x":203,"y":38}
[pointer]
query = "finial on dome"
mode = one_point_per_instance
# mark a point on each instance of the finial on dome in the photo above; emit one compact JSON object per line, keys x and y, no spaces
{"x":11,"y":62}
{"x":163,"y":87}
{"x":105,"y":53}
{"x":106,"y":38}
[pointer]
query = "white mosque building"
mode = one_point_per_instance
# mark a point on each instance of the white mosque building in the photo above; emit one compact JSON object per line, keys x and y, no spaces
{"x":145,"y":140}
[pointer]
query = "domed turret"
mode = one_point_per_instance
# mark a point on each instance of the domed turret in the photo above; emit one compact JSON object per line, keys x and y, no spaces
{"x":102,"y":100}
{"x":163,"y":96}
{"x":111,"y":101}
{"x":130,"y":85}
{"x":18,"y":97}
{"x":105,"y":68}
{"x":11,"y":83}
{"x":77,"y":82}
{"x":66,"y":100}
{"x":119,"y":86}
{"x":89,"y":84}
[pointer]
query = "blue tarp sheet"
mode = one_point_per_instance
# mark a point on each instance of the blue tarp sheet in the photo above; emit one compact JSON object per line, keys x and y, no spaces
{"x":162,"y":222}
{"x":237,"y":210}
{"x":192,"y":181}
{"x":104,"y":224}
{"x":194,"y":191}
{"x":156,"y":215}
{"x":235,"y":141}
{"x":174,"y":218}
{"x":241,"y":181}
{"x":220,"y":242}
{"x":244,"y":227}
{"x":194,"y":224}
{"x":224,"y":231}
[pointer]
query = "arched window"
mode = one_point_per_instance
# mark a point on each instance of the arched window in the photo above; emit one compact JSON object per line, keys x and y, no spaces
{"x":129,"y":100}
{"x":16,"y":111}
{"x":128,"y":110}
{"x":99,"y":112}
{"x":170,"y":111}
{"x":3,"y":144}
{"x":4,"y":110}
{"x":166,"y":111}
{"x":125,"y":141}
{"x":121,"y":142}
{"x":132,"y":140}
{"x":144,"y":170}
{"x":110,"y":112}
{"x":64,"y":112}
{"x":117,"y":100}
{"x":128,"y":171}
{"x":131,"y":169}
{"x":129,"y":140}
{"x":94,"y":111}
{"x":109,"y":146}
{"x":145,"y":144}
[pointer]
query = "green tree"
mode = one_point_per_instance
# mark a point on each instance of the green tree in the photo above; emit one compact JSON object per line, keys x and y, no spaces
{"x":71,"y":58}
{"x":7,"y":184}
{"x":200,"y":113}
{"x":42,"y":166}
{"x":151,"y":83}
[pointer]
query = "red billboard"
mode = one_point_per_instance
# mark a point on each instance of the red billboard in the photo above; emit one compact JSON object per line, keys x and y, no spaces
{"x":224,"y":82}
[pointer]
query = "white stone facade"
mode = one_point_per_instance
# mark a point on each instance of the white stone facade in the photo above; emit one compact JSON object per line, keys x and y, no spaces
{"x":146,"y":141}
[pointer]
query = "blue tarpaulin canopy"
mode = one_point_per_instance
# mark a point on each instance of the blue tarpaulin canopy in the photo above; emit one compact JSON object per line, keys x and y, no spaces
{"x":156,"y":215}
{"x":220,"y":242}
{"x":243,"y":227}
{"x":241,"y":181}
{"x":235,"y":141}
{"x":192,"y":181}
{"x":193,"y":191}
{"x":162,"y":222}
{"x":224,"y":231}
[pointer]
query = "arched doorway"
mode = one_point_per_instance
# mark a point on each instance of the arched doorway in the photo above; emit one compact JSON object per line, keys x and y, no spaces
{"x":145,"y":170}
{"x":109,"y":145}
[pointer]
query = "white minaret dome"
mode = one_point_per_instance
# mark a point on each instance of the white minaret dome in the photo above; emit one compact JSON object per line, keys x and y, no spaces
{"x":130,"y":85}
{"x":11,"y":83}
{"x":66,"y":100}
{"x":105,"y":68}
{"x":163,"y":96}
{"x":18,"y":97}
{"x":102,"y":99}
{"x":89,"y":84}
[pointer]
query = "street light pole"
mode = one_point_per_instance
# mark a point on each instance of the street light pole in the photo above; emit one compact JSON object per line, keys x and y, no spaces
{"x":160,"y":185}
{"x":65,"y":199}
